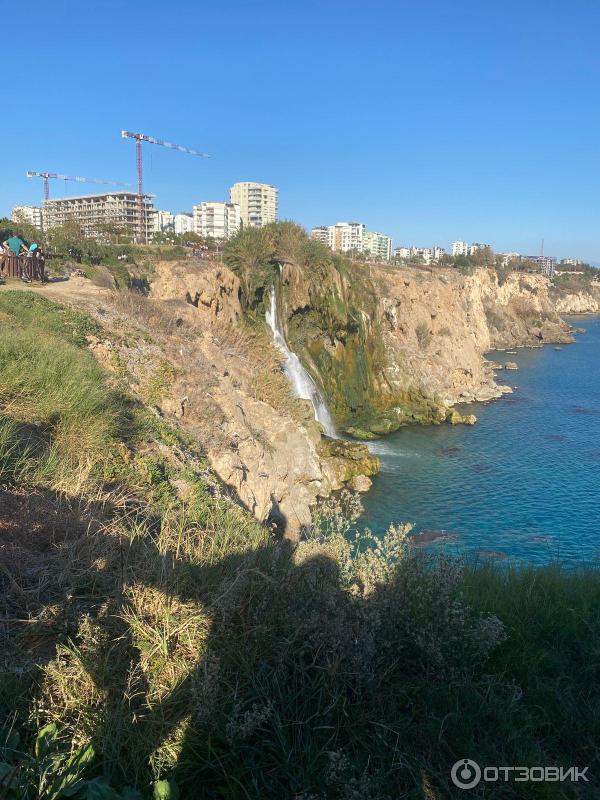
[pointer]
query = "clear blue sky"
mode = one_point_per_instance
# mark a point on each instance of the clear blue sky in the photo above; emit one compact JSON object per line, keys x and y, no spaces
{"x":429,"y":120}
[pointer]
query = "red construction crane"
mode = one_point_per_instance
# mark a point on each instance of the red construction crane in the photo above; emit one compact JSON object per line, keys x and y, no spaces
{"x":47,"y":175}
{"x":139,"y":138}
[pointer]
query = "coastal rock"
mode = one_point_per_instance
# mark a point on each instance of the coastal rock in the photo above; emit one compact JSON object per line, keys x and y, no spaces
{"x":454,"y":417}
{"x":360,"y":483}
{"x":577,"y":303}
{"x":511,"y":365}
{"x":343,"y":462}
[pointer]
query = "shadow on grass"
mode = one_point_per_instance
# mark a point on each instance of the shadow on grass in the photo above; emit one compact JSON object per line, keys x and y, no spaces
{"x":271,"y":672}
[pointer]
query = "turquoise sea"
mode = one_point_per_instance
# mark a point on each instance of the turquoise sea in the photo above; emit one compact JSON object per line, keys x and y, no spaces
{"x":524,"y":483}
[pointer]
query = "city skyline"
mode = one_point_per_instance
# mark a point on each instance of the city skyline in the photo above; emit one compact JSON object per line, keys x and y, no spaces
{"x":504,"y":153}
{"x":165,"y":219}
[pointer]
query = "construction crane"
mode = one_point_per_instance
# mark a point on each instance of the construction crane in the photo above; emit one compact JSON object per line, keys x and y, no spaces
{"x":48,"y":175}
{"x":139,"y":138}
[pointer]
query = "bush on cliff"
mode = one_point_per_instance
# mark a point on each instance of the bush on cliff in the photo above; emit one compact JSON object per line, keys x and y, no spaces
{"x":335,"y":329}
{"x":164,"y":635}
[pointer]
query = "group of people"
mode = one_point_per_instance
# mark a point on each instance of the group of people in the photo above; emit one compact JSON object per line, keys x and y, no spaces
{"x":31,"y":258}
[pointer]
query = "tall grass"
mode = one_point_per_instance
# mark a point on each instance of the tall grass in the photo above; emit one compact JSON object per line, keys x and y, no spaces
{"x":179,"y":639}
{"x":58,"y":419}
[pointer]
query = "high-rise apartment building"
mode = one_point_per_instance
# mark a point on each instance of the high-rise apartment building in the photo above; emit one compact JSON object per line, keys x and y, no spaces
{"x":217,"y":220}
{"x":348,"y":236}
{"x":258,"y":203}
{"x":183,"y":223}
{"x":32,"y":215}
{"x":377,"y":245}
{"x":164,"y":222}
{"x":341,"y":237}
{"x":345,"y":237}
{"x":94,"y":212}
{"x":464,"y":249}
{"x":460,"y":248}
{"x":323,"y":234}
{"x":546,"y":264}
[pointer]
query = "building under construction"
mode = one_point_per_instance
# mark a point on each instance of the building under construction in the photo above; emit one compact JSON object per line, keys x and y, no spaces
{"x":97,"y":214}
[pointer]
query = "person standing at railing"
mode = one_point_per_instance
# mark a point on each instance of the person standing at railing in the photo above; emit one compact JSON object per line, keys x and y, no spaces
{"x":30,"y":270}
{"x":16,"y":246}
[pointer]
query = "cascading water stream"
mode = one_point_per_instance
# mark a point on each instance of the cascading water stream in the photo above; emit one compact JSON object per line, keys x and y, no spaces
{"x":303,"y":384}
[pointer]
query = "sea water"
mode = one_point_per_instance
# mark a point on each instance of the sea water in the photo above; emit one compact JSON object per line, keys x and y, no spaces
{"x":524,"y":483}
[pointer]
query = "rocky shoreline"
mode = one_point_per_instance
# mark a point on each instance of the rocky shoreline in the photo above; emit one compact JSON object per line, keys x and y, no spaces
{"x":389,"y":347}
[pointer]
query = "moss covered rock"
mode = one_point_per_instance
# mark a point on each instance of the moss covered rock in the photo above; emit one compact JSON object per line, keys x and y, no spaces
{"x":344,"y":461}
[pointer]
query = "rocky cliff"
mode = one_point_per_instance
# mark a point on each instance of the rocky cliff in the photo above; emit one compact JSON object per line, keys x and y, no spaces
{"x":388,"y":346}
{"x":393,"y":346}
{"x":262,"y":442}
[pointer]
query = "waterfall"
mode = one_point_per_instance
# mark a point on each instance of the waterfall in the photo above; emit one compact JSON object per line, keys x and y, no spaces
{"x":303,"y":384}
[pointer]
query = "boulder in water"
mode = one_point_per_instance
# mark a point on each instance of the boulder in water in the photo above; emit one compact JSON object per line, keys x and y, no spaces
{"x":454,"y":417}
{"x":431,"y":537}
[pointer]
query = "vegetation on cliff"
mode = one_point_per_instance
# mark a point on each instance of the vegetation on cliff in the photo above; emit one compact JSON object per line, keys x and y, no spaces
{"x":328,"y":306}
{"x":158,"y":642}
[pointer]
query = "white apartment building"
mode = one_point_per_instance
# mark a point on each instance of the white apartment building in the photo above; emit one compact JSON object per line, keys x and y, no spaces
{"x":92,"y":212}
{"x":377,"y":245}
{"x":164,"y":221}
{"x":344,"y":237}
{"x":508,"y":257}
{"x":341,"y":237}
{"x":460,"y":248}
{"x":183,"y":223}
{"x":323,"y":234}
{"x":32,"y":215}
{"x":546,"y":264}
{"x":427,"y":254}
{"x":258,"y":203}
{"x":464,"y":249}
{"x":217,"y":220}
{"x":348,"y":236}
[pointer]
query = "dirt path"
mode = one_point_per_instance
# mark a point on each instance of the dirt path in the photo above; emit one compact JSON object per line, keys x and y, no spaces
{"x":74,"y":290}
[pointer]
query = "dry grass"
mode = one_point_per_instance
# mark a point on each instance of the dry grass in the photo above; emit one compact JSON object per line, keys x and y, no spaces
{"x":159,"y":318}
{"x":181,"y":640}
{"x":264,"y":365}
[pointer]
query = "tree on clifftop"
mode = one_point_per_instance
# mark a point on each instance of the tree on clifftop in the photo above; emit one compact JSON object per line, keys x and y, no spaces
{"x":250,"y":254}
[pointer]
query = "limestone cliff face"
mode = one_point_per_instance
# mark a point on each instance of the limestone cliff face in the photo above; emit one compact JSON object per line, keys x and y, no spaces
{"x":578,"y":303}
{"x":389,"y":346}
{"x":437,"y":328}
{"x":231,"y":394}
{"x":213,"y":290}
{"x":393,"y":345}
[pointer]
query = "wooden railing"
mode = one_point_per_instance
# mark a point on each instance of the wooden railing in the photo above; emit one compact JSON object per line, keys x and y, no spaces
{"x":28,"y":268}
